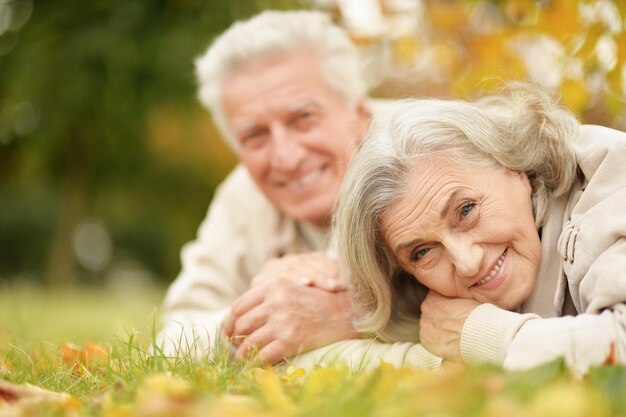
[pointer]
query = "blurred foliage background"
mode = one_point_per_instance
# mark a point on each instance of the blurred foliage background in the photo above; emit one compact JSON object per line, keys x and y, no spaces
{"x":108,"y":162}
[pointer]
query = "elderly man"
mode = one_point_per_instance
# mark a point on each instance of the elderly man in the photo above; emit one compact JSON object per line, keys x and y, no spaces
{"x":285,"y":90}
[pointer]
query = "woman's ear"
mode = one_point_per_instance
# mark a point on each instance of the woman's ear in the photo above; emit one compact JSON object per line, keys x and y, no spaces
{"x":523,"y":178}
{"x":526,"y":181}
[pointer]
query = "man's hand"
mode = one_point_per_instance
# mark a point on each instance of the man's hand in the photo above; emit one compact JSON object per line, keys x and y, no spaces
{"x":295,"y":304}
{"x":441,"y":322}
{"x":314,"y":268}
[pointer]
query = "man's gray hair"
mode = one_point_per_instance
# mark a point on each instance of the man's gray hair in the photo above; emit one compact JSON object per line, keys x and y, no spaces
{"x":522,"y":129}
{"x":274,"y":34}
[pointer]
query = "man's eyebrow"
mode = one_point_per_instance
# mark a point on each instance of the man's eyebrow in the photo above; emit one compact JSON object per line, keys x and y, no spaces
{"x":296,"y":107}
{"x":451,"y":199}
{"x":244,"y":127}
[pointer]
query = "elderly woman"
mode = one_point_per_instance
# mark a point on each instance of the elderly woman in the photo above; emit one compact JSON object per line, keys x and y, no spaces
{"x":494,"y":229}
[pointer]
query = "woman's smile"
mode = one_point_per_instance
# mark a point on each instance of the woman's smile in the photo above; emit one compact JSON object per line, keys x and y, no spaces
{"x":496,"y":276}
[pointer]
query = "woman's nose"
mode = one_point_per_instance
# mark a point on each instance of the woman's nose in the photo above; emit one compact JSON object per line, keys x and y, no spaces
{"x":466,"y":256}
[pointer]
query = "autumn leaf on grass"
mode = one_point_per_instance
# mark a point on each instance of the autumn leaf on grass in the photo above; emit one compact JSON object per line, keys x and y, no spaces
{"x":568,"y":399}
{"x":24,"y":399}
{"x":324,"y":382}
{"x":164,"y":394}
{"x":6,"y":368}
{"x":271,"y":388}
{"x":90,"y":357}
{"x":158,"y":395}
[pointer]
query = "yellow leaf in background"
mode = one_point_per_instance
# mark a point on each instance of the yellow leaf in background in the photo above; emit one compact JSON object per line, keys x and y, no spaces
{"x":518,"y":11}
{"x":405,"y":49}
{"x":446,"y":57}
{"x":569,"y":399}
{"x":615,"y":100}
{"x":614,"y":79}
{"x":560,"y":18}
{"x":575,"y":95}
{"x":270,"y":387}
{"x":451,"y":16}
{"x":488,"y":51}
{"x":588,"y":49}
{"x":363,"y":40}
{"x":620,"y":41}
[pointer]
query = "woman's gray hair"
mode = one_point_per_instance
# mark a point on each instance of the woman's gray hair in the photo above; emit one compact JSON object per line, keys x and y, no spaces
{"x":274,"y":34}
{"x":522,"y":129}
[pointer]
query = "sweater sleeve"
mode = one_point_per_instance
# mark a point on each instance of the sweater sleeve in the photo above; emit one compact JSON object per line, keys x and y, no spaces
{"x":214,"y":273}
{"x":521,"y":341}
{"x":364,"y":354}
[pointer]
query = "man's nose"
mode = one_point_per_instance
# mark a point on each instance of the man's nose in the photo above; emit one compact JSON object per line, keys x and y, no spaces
{"x":466,"y":256}
{"x":287,"y":151}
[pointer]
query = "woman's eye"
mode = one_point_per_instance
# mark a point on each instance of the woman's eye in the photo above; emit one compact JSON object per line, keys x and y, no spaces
{"x":466,"y":209}
{"x":418,"y":254}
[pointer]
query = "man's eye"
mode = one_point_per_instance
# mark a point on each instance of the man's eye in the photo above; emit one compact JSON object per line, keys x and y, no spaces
{"x":253,"y":138}
{"x":466,"y":209}
{"x":305,"y":120}
{"x":418,"y":254}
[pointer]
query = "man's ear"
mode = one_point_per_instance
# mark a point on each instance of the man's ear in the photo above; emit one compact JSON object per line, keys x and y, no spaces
{"x":364,"y":115}
{"x":363,"y":110}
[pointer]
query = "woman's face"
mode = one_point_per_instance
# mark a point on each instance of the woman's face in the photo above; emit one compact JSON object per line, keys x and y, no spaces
{"x":466,"y":232}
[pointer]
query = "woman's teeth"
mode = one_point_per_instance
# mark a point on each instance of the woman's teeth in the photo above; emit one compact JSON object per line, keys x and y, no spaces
{"x":494,"y":271}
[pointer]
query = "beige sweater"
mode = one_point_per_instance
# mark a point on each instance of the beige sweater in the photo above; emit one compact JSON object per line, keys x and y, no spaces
{"x":242,"y":231}
{"x":577,"y":309}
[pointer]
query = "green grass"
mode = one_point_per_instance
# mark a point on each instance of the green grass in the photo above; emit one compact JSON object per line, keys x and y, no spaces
{"x":132,"y":379}
{"x":31,"y":313}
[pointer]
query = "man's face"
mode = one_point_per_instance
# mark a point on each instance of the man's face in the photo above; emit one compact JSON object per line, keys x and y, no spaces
{"x":296,"y":135}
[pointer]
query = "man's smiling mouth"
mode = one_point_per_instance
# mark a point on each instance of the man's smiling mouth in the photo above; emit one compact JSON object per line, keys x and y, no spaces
{"x":305,"y":180}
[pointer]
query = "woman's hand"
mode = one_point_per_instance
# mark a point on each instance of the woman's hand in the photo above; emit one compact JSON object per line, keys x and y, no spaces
{"x":441,"y":323}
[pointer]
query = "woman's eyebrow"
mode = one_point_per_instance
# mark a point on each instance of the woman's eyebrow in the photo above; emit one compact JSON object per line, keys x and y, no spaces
{"x":451,"y":199}
{"x":400,"y":247}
